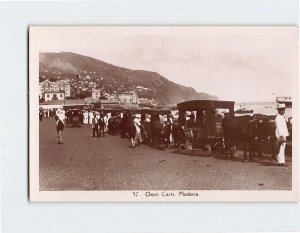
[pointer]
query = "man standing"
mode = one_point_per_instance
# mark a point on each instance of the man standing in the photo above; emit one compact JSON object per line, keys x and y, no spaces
{"x":95,"y":126}
{"x":190,"y":123}
{"x":281,"y":133}
{"x":123,"y":125}
{"x":101,"y":125}
{"x":41,"y":115}
{"x":59,"y":128}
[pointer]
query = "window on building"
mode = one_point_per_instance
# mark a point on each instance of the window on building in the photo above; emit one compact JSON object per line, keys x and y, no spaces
{"x":48,"y":95}
{"x":61,"y":95}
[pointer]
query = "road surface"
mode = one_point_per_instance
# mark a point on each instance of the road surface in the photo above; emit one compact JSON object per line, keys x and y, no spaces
{"x":84,"y":163}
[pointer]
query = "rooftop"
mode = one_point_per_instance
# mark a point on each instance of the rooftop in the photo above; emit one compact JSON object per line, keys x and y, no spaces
{"x":64,"y":102}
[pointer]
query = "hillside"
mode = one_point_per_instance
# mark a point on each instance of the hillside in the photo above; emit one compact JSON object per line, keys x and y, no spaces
{"x":115,"y":79}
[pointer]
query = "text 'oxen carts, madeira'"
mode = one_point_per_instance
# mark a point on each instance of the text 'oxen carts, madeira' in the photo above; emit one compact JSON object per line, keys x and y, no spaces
{"x":199,"y":129}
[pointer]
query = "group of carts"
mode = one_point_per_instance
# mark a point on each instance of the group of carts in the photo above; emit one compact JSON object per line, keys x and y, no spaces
{"x":205,"y":136}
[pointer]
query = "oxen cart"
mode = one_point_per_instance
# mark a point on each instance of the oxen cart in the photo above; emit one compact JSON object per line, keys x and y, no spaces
{"x":74,"y":117}
{"x":207,"y":132}
{"x":113,"y":118}
{"x":112,"y":111}
{"x":74,"y":114}
{"x":156,"y":131}
{"x":202,"y":133}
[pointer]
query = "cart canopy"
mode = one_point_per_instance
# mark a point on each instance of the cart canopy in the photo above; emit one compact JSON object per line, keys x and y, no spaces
{"x":193,"y":105}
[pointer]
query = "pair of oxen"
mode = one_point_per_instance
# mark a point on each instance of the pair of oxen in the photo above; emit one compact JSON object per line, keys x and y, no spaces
{"x":251,"y":134}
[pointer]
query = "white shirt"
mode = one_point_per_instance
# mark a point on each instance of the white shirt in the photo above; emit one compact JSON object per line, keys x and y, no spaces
{"x":281,"y":127}
{"x":137,"y":121}
{"x":137,"y":124}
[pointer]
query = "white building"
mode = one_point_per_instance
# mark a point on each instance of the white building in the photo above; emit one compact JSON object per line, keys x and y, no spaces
{"x":96,"y":93}
{"x":128,"y":98}
{"x":58,"y":87}
{"x":145,"y":101}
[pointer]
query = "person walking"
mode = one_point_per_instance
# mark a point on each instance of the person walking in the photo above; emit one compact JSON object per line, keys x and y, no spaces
{"x":138,"y":134}
{"x":132,"y":132}
{"x":59,"y":128}
{"x":95,"y":126}
{"x":281,"y":133}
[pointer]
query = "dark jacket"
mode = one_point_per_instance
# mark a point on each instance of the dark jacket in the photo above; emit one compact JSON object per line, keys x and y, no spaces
{"x":59,"y":125}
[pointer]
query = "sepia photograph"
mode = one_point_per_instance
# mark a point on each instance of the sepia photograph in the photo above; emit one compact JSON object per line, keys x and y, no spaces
{"x":163,"y":113}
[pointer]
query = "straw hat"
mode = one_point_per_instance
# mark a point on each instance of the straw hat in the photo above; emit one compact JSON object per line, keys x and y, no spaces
{"x":280,"y":106}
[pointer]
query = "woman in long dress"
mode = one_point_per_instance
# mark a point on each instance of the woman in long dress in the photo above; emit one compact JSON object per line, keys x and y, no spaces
{"x":91,"y":116}
{"x":85,"y":117}
{"x":138,"y":135}
{"x":105,"y":119}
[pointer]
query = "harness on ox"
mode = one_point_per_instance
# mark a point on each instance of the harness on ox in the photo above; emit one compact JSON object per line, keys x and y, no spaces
{"x":250,"y":134}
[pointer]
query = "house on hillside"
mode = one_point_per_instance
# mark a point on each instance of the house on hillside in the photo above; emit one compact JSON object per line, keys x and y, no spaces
{"x":147,"y":102}
{"x":99,"y":92}
{"x":96,"y":93}
{"x":55,"y":89}
{"x":128,"y":98}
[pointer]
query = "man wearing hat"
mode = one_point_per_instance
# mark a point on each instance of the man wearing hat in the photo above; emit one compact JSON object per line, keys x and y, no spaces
{"x":281,"y":133}
{"x":59,"y":128}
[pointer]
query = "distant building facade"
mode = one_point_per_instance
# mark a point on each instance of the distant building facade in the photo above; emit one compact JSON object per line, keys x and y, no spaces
{"x":101,"y":92}
{"x":145,"y":101}
{"x":128,"y":98}
{"x":57,"y":89}
{"x":109,"y":103}
{"x":96,"y":93}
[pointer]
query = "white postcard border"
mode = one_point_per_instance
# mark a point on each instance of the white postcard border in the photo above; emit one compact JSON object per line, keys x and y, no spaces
{"x":124,"y":196}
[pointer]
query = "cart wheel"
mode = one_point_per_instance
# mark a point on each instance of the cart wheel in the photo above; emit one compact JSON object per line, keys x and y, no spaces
{"x":232,"y":151}
{"x":207,"y":149}
{"x":182,"y":147}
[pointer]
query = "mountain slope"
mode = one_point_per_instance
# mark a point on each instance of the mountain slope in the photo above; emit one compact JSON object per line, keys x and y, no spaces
{"x":116,"y":78}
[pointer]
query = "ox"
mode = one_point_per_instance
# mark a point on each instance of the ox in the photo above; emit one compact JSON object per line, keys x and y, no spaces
{"x":249,"y":133}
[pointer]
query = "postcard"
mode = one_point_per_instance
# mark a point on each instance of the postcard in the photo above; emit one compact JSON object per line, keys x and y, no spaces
{"x":163,"y":113}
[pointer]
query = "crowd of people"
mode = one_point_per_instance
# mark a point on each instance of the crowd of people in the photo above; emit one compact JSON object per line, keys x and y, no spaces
{"x":155,"y":130}
{"x":125,"y":124}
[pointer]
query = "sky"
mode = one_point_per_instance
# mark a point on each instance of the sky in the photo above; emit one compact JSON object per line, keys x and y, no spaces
{"x":243,"y":64}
